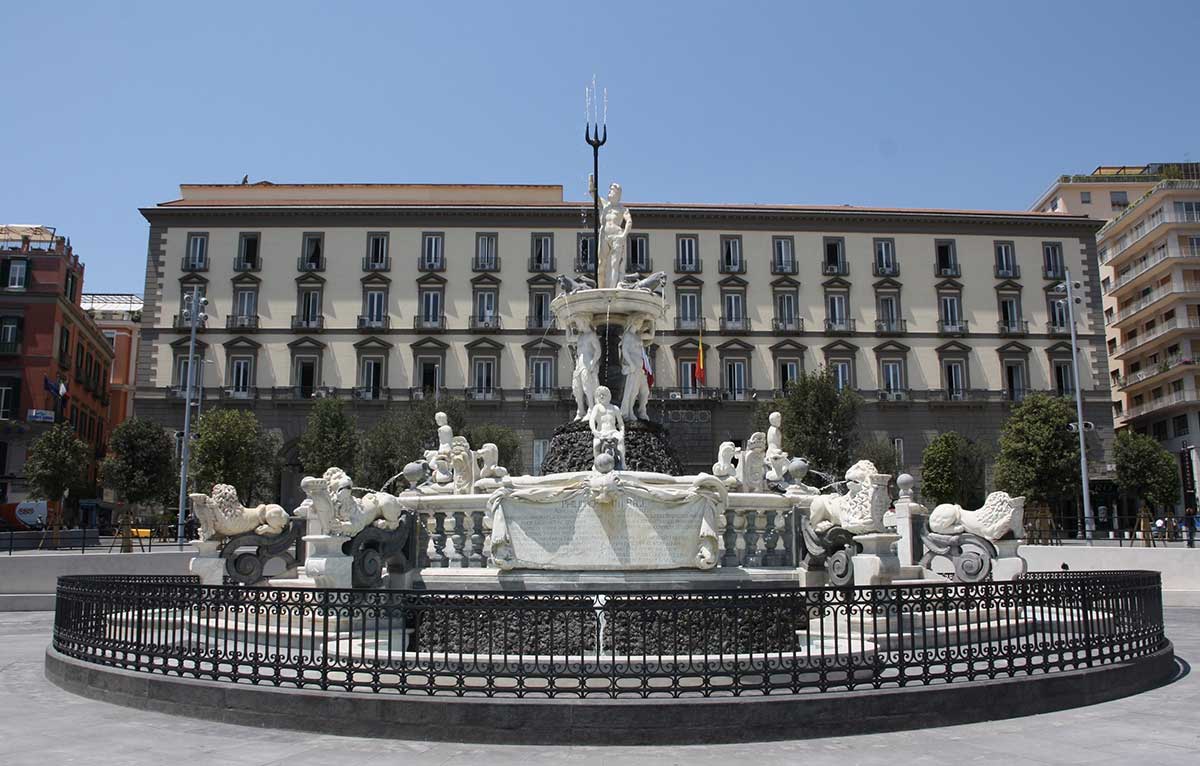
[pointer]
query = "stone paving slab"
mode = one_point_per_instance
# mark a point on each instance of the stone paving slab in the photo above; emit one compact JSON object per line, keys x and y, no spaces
{"x":43,"y":725}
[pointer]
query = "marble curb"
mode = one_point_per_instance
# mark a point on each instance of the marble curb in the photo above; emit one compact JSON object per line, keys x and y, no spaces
{"x":569,"y":721}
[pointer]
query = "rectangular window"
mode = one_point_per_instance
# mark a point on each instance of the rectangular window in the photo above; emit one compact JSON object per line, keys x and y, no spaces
{"x":10,"y":332}
{"x":69,"y":287}
{"x":431,"y":251}
{"x":885,"y":258}
{"x":734,"y":311}
{"x":64,"y":345}
{"x":540,"y":306}
{"x":541,"y":374}
{"x":687,"y":377}
{"x":789,"y":372}
{"x":731,"y":254}
{"x":181,"y":372}
{"x":835,"y":309}
{"x":8,"y":400}
{"x":1010,"y":314}
{"x":951,"y":311}
{"x":18,"y":274}
{"x":841,"y":374}
{"x":306,"y":376}
{"x":1179,"y":424}
{"x":689,"y":309}
{"x":1006,"y":261}
{"x":248,"y":252}
{"x":1053,"y":258}
{"x":955,"y":380}
{"x":239,"y":375}
{"x":784,"y":258}
{"x":892,"y":375}
{"x":735,"y":378}
{"x":1064,"y":382}
{"x":486,"y":249}
{"x":542,"y":255}
{"x":639,"y":252}
{"x":585,"y":253}
{"x":197,"y":251}
{"x":377,"y":250}
{"x":246,"y":304}
{"x":1159,"y":431}
{"x":888,"y":312}
{"x":371,"y":379}
{"x":1014,"y":380}
{"x":1085,"y":198}
{"x":898,"y":447}
{"x":687,"y":254}
{"x":376,"y":306}
{"x":313,"y":252}
{"x":310,"y":306}
{"x":431,"y":307}
{"x":785,"y":308}
{"x":947,"y":258}
{"x":1058,"y":315}
{"x":485,"y":306}
{"x":1118,"y":199}
{"x":483,"y":379}
{"x":1188,"y":211}
{"x":835,"y":258}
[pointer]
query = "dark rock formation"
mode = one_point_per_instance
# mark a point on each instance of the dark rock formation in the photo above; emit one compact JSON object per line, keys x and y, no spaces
{"x":647,"y":448}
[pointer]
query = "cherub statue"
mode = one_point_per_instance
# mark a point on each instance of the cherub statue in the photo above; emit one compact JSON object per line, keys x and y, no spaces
{"x":637,"y":385}
{"x":585,"y":378}
{"x":608,"y":427}
{"x":489,"y":462}
{"x":462,"y":465}
{"x":724,"y":468}
{"x":615,"y":225}
{"x":751,"y":471}
{"x":777,"y":459}
{"x":445,"y":433}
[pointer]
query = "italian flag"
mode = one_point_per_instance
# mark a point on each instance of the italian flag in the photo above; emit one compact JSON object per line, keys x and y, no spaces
{"x":700,"y":360}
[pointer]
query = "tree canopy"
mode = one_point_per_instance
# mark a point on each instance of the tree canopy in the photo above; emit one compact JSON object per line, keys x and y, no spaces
{"x":232,"y":447}
{"x":402,"y":437}
{"x":1039,"y":453}
{"x":1145,"y":470}
{"x":952,"y":471}
{"x":56,"y":462}
{"x":508,"y":444}
{"x":140,"y":467}
{"x":818,"y":421}
{"x":330,"y":438}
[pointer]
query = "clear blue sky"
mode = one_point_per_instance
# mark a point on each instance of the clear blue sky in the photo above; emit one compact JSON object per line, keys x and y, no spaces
{"x":908,"y":104}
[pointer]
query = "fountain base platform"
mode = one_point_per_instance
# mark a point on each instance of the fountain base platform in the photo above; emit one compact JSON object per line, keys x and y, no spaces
{"x":647,"y":448}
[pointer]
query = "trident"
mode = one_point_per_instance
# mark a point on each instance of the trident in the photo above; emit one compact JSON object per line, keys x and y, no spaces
{"x":596,"y":135}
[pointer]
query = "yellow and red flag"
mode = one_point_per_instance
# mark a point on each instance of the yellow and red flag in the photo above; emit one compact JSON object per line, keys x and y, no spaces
{"x":700,"y":359}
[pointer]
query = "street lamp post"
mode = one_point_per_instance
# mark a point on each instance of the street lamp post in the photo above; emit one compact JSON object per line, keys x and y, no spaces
{"x":1089,"y":522}
{"x":193,"y":313}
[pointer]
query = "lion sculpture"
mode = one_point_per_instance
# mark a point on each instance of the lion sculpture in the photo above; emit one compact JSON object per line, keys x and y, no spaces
{"x":222,"y":515}
{"x":341,"y":513}
{"x":858,"y":511}
{"x":1000,"y":514}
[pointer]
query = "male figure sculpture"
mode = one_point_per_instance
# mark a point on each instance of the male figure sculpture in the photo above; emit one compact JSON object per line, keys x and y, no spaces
{"x":445,"y":433}
{"x":615,"y":224}
{"x":750,"y":468}
{"x":777,"y":459}
{"x":608,"y":427}
{"x":586,"y":377}
{"x":637,"y":387}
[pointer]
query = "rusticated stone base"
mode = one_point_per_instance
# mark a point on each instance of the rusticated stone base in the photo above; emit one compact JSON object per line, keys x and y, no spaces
{"x":647,"y":448}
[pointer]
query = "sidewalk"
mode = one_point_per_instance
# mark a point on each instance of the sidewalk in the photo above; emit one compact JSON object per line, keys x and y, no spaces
{"x":47,"y":726}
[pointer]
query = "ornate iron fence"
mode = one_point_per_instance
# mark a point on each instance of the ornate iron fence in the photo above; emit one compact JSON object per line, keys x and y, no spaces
{"x":754,"y":641}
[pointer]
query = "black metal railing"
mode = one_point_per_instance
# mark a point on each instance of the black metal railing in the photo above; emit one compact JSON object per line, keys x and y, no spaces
{"x":792,"y":325}
{"x":368,"y":322}
{"x":377,"y":264}
{"x":760,"y":640}
{"x":539,"y":321}
{"x":241,"y":322}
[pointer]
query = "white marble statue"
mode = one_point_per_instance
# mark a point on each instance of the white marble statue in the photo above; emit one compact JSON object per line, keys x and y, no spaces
{"x":445,"y":433}
{"x":586,"y":377}
{"x":797,"y":469}
{"x":861,"y":509}
{"x":1000,"y":514}
{"x":654,"y":283}
{"x":615,"y":225}
{"x":751,"y":467}
{"x":489,"y":462}
{"x":222,"y":515}
{"x":777,"y":459}
{"x":343,"y":515}
{"x":637,"y":386}
{"x":463,"y":466}
{"x":607,"y":425}
{"x":724,"y":469}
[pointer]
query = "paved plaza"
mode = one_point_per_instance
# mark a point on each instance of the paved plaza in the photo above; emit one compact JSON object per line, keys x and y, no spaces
{"x":44,"y":725}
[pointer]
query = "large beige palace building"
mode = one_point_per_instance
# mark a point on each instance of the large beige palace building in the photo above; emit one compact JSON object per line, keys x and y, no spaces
{"x":383,"y":293}
{"x":1149,"y":257}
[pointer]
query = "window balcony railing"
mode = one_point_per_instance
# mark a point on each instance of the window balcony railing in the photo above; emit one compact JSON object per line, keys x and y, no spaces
{"x":947,"y":270}
{"x":427,"y":392}
{"x":1161,"y":368}
{"x":894,"y":395}
{"x":485,"y":323}
{"x":891,"y":326}
{"x":688,"y":267}
{"x":783,"y":265}
{"x":737,"y":394}
{"x":308,"y":323}
{"x":1007,"y":272}
{"x":241,"y":264}
{"x":366,"y":322}
{"x":950,"y":395}
{"x":690,"y":323}
{"x":483,"y":393}
{"x":541,"y":394}
{"x":788,"y":325}
{"x":193,"y":264}
{"x":429,"y":322}
{"x":735,"y":324}
{"x":639,"y":265}
{"x":10,"y":347}
{"x":1015,"y":394}
{"x":1156,"y":333}
{"x":374,"y":264}
{"x":310,"y":264}
{"x":952,"y":327}
{"x":891,"y":269}
{"x":839,"y":326}
{"x":1053,"y":272}
{"x":736,"y":266}
{"x":369,"y":393}
{"x":1175,"y":286}
{"x":180,"y":322}
{"x":429,"y":263}
{"x":235,"y":322}
{"x":1054,"y":328}
{"x":541,"y":264}
{"x":1162,"y":402}
{"x":585,"y":265}
{"x":539,"y":322}
{"x":485,"y":263}
{"x":838,"y":269}
{"x":686,"y":392}
{"x":236,"y":394}
{"x":1013,"y":327}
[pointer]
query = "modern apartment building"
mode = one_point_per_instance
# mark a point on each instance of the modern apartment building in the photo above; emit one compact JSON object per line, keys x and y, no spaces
{"x":119,"y":317}
{"x":54,"y":361}
{"x":386,"y":293}
{"x":1109,"y":189}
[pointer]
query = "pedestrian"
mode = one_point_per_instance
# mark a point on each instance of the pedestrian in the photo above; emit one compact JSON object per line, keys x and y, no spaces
{"x":1189,"y":526}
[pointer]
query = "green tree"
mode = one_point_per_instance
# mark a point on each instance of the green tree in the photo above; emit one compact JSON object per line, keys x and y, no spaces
{"x":330,"y":438}
{"x":952,"y":470}
{"x":1145,"y":471}
{"x":880,"y":451}
{"x":232,"y":447}
{"x":1039,"y":453}
{"x":818,"y":421}
{"x":140,"y":467}
{"x":56,"y":462}
{"x":508,"y":444}
{"x":402,"y":437}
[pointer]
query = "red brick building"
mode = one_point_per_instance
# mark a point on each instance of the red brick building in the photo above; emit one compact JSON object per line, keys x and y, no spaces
{"x":48,"y":344}
{"x":119,"y":317}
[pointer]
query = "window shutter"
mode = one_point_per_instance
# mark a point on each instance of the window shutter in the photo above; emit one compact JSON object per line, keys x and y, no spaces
{"x":4,"y":267}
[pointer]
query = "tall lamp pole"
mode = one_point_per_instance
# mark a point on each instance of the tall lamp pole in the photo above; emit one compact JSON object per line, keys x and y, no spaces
{"x":193,"y":313}
{"x":1089,"y":521}
{"x":596,"y":135}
